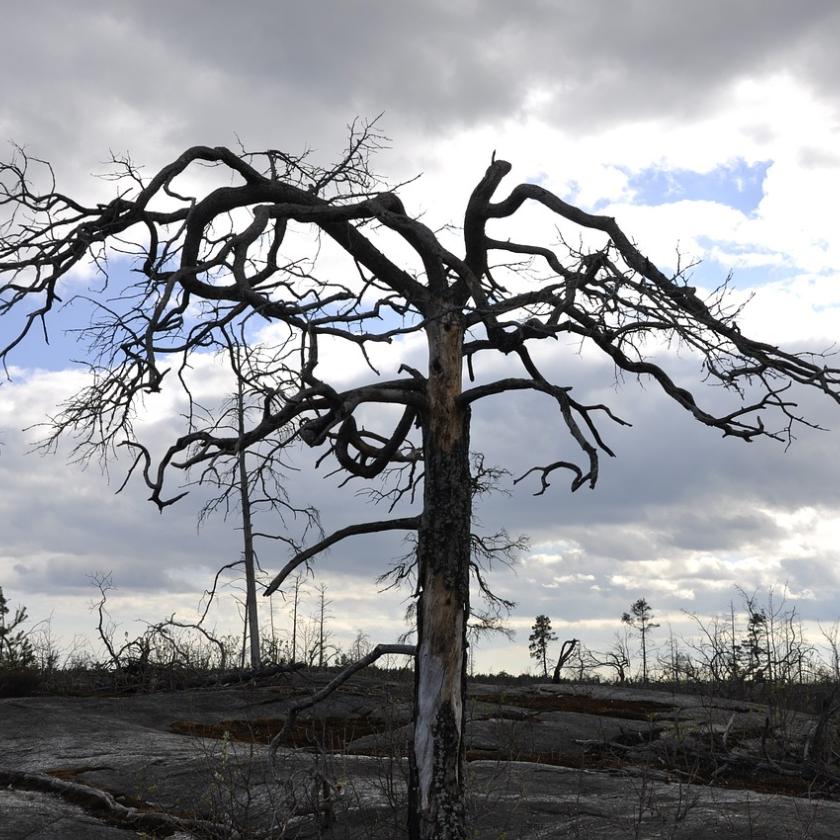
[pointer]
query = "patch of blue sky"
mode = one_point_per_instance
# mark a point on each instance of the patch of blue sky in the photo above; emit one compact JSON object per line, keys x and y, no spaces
{"x":758,"y":266}
{"x":709,"y":273}
{"x":65,"y":349}
{"x":64,"y":346}
{"x":738,"y":184}
{"x":49,"y":345}
{"x":56,"y":343}
{"x":538,"y":178}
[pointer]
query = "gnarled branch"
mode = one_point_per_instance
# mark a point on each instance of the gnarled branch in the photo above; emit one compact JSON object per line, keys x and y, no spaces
{"x":408,"y":523}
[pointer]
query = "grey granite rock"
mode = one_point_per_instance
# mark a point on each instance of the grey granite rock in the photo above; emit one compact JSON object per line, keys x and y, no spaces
{"x":154,"y":752}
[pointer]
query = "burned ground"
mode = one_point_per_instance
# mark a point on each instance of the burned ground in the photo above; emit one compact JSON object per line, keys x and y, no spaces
{"x":544,"y":761}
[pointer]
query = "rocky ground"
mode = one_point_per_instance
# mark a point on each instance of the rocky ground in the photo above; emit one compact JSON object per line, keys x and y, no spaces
{"x":544,"y":761}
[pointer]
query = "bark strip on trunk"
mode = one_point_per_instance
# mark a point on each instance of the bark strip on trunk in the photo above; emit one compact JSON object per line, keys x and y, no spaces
{"x":436,"y":805}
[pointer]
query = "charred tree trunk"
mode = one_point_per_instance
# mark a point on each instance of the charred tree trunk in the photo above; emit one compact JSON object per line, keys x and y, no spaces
{"x":436,"y":796}
{"x":294,"y":618}
{"x":566,"y":650}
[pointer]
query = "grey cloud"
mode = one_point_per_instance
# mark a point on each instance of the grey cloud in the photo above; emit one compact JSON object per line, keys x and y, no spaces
{"x":812,"y":158}
{"x":67,"y":524}
{"x":472,"y":61}
{"x":820,"y":574}
{"x":291,"y":76}
{"x":721,"y":530}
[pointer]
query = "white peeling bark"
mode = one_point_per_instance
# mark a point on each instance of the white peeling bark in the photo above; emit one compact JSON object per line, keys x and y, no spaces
{"x":428,"y":697}
{"x":439,"y":694}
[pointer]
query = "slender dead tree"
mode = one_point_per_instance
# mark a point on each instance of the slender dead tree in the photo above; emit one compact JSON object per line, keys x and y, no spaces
{"x":330,"y":255}
{"x":297,"y":584}
{"x":254,"y":484}
{"x":253,"y":621}
{"x":323,"y":605}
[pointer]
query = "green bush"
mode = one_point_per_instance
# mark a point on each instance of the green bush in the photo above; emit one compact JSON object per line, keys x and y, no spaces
{"x":15,"y":648}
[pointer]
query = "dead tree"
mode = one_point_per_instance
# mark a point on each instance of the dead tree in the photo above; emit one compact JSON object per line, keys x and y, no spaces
{"x":566,"y":651}
{"x":253,"y":632}
{"x":323,"y":604}
{"x":255,"y":485}
{"x":217,"y":259}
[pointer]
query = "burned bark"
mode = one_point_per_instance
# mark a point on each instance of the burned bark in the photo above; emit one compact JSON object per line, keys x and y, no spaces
{"x":443,"y":557}
{"x":566,"y":650}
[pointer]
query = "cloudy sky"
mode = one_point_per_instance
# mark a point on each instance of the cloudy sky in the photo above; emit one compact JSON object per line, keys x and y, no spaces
{"x":712,"y":129}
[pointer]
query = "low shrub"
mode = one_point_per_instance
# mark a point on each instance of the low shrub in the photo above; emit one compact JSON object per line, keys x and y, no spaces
{"x":19,"y":681}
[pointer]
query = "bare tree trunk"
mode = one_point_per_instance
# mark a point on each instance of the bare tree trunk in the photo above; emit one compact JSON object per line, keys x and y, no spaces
{"x":271,"y":623}
{"x":321,"y":634}
{"x":322,"y":589}
{"x":734,"y":669}
{"x":566,"y":650}
{"x":770,"y":634}
{"x":248,"y":538}
{"x":294,"y":618}
{"x":244,"y":638}
{"x":436,"y":795}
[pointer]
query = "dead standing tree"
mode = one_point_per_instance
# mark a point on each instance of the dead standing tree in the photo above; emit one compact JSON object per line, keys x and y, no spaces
{"x":212,"y":260}
{"x":255,"y":484}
